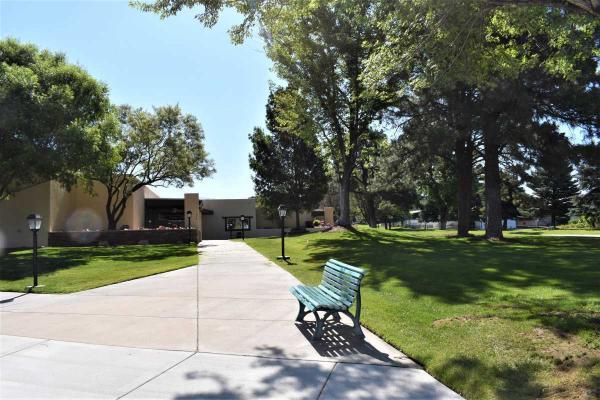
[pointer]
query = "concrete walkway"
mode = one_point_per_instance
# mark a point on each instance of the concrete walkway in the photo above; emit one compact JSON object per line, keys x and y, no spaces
{"x":223,"y":329}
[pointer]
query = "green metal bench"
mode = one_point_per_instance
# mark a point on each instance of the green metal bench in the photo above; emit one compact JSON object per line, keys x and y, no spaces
{"x":336,"y":293}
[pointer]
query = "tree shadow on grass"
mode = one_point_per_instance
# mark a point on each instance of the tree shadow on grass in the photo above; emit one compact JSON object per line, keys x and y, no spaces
{"x":17,"y":265}
{"x":563,"y":320}
{"x":470,"y":375}
{"x":458,"y":271}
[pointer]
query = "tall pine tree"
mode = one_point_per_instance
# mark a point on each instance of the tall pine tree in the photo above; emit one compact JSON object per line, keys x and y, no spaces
{"x":286,"y":168}
{"x":552,"y":181}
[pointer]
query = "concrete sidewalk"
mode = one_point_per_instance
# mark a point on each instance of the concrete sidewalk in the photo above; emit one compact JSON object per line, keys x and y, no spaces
{"x":223,"y":329}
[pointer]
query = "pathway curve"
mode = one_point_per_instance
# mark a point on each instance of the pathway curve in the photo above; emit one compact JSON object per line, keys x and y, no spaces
{"x":223,"y":329}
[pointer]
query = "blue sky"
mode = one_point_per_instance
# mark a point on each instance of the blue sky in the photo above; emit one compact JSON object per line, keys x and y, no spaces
{"x":147,"y":61}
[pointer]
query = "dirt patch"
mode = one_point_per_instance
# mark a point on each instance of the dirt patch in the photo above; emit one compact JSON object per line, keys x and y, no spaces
{"x":463,"y":319}
{"x":338,"y":228}
{"x":571,"y":359}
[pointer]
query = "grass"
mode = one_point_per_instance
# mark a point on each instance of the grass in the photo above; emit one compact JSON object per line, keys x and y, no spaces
{"x":516,"y":319}
{"x":72,"y":269}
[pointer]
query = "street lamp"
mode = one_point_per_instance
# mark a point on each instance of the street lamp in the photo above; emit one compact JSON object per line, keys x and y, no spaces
{"x":34,"y":221}
{"x":243,"y":220}
{"x":189,"y":216}
{"x":282,"y":213}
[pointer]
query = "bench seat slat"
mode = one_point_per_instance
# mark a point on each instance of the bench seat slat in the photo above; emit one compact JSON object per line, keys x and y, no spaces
{"x":358,"y":271}
{"x":340,"y":291}
{"x":315,"y":297}
{"x":310,"y":303}
{"x":341,"y":277}
{"x":343,"y":270}
{"x":340,"y":280}
{"x":346,"y":301}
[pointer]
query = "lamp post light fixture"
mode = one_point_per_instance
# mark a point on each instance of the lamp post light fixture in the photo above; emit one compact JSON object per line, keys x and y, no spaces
{"x":189,"y":217}
{"x":282,"y":213}
{"x":243,"y":221}
{"x":34,"y":222}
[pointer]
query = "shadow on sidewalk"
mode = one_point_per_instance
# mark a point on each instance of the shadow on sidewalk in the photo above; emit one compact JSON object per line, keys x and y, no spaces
{"x":10,"y":300}
{"x":339,"y":340}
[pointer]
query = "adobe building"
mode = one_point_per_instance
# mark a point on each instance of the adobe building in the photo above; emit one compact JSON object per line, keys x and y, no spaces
{"x":76,"y":217}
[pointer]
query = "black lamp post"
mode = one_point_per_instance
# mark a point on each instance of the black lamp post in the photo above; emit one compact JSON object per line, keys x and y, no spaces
{"x":243,"y":220}
{"x":189,"y":217}
{"x":282,"y":213}
{"x":34,"y":221}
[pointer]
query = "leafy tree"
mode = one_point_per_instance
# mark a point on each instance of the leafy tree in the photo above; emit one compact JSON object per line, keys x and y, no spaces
{"x":286,"y":167}
{"x":138,"y":148}
{"x":392,"y":184}
{"x":46,"y":108}
{"x":366,"y":177}
{"x":500,"y":51}
{"x":319,"y":49}
{"x":591,"y":7}
{"x":389,"y":212}
{"x":471,"y":51}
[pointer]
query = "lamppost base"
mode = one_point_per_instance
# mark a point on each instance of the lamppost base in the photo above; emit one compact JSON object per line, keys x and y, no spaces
{"x":31,"y":287}
{"x":285,"y":258}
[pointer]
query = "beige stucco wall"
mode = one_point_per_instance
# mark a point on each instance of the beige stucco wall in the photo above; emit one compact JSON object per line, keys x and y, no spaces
{"x":264,"y":222}
{"x":62,"y":210}
{"x":79,"y":210}
{"x":213,"y":226}
{"x":328,"y":215}
{"x":13,"y":216}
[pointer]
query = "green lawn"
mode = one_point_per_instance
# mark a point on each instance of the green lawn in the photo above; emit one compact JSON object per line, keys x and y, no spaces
{"x":71,"y":269}
{"x":517,"y":319}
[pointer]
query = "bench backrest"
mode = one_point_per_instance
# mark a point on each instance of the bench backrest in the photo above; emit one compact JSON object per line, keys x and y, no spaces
{"x":341,"y":281}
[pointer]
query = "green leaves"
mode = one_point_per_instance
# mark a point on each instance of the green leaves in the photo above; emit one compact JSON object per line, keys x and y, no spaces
{"x":285,"y":164}
{"x":135,"y":148}
{"x":46,"y":106}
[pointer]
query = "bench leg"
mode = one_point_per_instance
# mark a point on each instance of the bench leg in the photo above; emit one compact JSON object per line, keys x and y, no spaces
{"x":319,"y":327}
{"x":356,"y":323}
{"x":356,"y":318}
{"x":357,"y":329}
{"x":334,"y":314}
{"x":301,"y":312}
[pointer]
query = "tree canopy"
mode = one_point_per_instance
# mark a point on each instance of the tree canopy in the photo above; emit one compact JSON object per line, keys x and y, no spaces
{"x":47,"y":107}
{"x":286,"y":167}
{"x":138,"y":148}
{"x":487,"y":72}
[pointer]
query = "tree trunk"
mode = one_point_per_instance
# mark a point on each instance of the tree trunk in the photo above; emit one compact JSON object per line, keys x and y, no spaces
{"x":297,"y":218}
{"x":464,"y":169}
{"x":112,"y":224}
{"x":110,"y":215}
{"x":371,"y":217}
{"x":345,"y":180}
{"x":443,"y":217}
{"x":493,"y":209}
